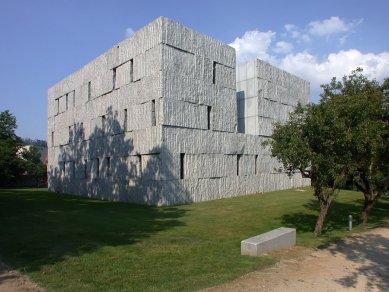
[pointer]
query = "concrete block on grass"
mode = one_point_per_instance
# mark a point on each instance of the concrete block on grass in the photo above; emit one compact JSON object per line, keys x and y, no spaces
{"x":270,"y":241}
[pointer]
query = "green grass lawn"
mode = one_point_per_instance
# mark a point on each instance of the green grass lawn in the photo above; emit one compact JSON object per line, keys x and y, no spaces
{"x":76,"y":244}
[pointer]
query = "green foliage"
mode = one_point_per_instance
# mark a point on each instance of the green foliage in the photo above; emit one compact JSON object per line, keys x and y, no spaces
{"x":343,"y":137}
{"x":32,"y":164}
{"x":107,"y":246}
{"x":9,"y":144}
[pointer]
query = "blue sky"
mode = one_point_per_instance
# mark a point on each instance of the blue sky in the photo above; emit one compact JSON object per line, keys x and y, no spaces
{"x":43,"y":41}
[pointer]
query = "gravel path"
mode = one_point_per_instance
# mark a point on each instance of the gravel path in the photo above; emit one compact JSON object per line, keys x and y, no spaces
{"x":359,"y":263}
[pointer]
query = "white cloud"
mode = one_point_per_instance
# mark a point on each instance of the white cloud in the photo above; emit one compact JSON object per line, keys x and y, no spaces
{"x":296,"y":33}
{"x":283,"y":47}
{"x":328,"y":26}
{"x":337,"y":64}
{"x":129,"y":32}
{"x":253,"y":44}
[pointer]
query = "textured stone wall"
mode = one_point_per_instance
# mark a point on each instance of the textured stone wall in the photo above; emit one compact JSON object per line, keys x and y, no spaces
{"x":154,"y":121}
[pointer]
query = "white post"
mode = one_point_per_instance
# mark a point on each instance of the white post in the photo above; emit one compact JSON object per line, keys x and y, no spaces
{"x":350,"y":222}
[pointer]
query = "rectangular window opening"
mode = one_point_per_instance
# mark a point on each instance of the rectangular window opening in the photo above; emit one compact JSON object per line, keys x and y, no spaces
{"x":125,"y":120}
{"x":153,"y":118}
{"x":103,"y":123}
{"x":70,"y":134}
{"x":239,"y":156}
{"x":52,"y":139}
{"x":108,"y":160}
{"x":74,"y":98}
{"x":82,"y":132}
{"x":132,"y":70}
{"x":66,"y":100}
{"x":89,"y":90}
{"x":255,"y":163}
{"x":209,"y":109}
{"x":182,"y":165}
{"x":140,"y":165}
{"x":114,"y":78}
{"x":214,"y":73}
{"x":57,"y":101}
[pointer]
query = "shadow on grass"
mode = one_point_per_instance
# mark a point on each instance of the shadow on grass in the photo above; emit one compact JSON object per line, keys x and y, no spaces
{"x":337,"y":218}
{"x":40,"y":228}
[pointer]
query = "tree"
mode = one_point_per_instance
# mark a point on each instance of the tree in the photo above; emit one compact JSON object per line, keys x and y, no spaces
{"x":32,"y":164}
{"x":363,"y":107}
{"x":9,"y":145}
{"x":306,"y":144}
{"x":345,"y":135}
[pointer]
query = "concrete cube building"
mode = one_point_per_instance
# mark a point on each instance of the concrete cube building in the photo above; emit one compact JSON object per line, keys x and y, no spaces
{"x":165,"y":117}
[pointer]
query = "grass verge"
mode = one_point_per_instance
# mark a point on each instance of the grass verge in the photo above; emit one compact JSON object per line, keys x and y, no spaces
{"x":71,"y":244}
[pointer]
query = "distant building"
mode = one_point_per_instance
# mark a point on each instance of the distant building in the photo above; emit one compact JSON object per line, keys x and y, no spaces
{"x":166,"y":117}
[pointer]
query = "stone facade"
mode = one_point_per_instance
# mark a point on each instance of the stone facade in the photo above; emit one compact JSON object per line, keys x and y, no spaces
{"x":154,"y":120}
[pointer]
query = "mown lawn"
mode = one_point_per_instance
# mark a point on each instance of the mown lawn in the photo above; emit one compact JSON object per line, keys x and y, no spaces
{"x":75,"y":244}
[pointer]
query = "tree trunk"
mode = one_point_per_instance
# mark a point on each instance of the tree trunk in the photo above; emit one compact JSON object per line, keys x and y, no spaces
{"x":324,"y":206}
{"x":321,"y":219}
{"x":370,"y":200}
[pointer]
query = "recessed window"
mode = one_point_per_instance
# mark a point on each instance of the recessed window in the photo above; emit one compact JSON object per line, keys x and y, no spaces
{"x":238,"y":159}
{"x":125,"y":120}
{"x":114,"y":78}
{"x":132,"y":70}
{"x":209,"y":109}
{"x":70,"y":134}
{"x":89,"y":90}
{"x":153,"y":118}
{"x":52,"y":139}
{"x":214,"y":72}
{"x":82,"y":132}
{"x":182,"y":165}
{"x":66,"y":100}
{"x":255,"y":163}
{"x":85,"y":168}
{"x":57,"y":105}
{"x":140,"y":165}
{"x":97,"y":167}
{"x":103,"y":123}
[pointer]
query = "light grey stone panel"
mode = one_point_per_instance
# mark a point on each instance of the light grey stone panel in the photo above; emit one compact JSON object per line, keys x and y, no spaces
{"x":225,"y":76}
{"x":265,"y":126}
{"x":183,"y":88}
{"x":151,"y":165}
{"x":102,"y":84}
{"x":182,"y":63}
{"x":209,"y":165}
{"x":252,"y":88}
{"x":247,"y":165}
{"x":139,"y":116}
{"x":250,"y":125}
{"x":224,"y":116}
{"x":123,"y":74}
{"x":184,"y":114}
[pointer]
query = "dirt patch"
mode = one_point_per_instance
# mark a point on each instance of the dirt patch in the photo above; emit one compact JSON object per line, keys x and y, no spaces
{"x":12,"y":281}
{"x":359,"y":263}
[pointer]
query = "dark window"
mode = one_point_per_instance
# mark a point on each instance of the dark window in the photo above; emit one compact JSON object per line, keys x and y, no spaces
{"x":97,"y":167}
{"x":132,"y":70}
{"x":209,"y":109}
{"x":239,"y":156}
{"x":89,"y":90}
{"x":140,"y":165}
{"x":214,"y":73}
{"x":57,"y":101}
{"x":82,"y":132}
{"x":108,"y":161}
{"x":114,"y":78}
{"x":103,"y":123}
{"x":255,"y":163}
{"x":70,"y":134}
{"x":74,"y":98}
{"x":182,"y":165}
{"x":153,"y":118}
{"x":66,"y":100}
{"x":52,"y":139}
{"x":125,"y":120}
